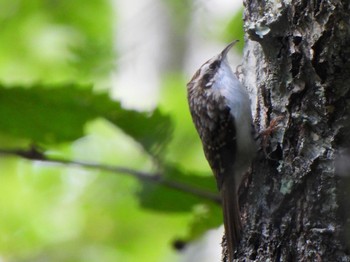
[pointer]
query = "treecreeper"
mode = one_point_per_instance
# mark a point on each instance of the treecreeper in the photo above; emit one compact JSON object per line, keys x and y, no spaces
{"x":221,"y":112}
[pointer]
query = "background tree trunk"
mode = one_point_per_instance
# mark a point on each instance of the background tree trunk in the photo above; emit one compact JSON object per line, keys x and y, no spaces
{"x":296,"y":66}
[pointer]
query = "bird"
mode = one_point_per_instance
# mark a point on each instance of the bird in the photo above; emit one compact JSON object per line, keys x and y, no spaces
{"x":221,"y":112}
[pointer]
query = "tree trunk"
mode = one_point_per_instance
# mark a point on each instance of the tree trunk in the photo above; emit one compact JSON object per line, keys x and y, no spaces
{"x":297,"y":69}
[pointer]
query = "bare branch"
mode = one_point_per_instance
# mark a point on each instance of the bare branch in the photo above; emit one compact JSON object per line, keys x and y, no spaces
{"x":34,"y":154}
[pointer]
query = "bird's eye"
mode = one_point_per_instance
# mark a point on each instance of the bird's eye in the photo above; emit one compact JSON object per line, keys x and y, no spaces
{"x":207,"y":80}
{"x":207,"y":77}
{"x":214,"y":65}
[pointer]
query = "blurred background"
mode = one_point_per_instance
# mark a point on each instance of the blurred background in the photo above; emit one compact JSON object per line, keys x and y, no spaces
{"x":64,"y":67}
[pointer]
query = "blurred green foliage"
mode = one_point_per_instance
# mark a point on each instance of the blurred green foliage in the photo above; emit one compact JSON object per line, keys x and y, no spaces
{"x":41,"y":113}
{"x":234,"y":30}
{"x":51,"y":54}
{"x":55,"y":40}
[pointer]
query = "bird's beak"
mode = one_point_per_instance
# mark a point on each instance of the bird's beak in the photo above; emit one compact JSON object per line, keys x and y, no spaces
{"x":227,"y":48}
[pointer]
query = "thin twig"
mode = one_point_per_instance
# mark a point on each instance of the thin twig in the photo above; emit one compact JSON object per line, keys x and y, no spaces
{"x":34,"y":154}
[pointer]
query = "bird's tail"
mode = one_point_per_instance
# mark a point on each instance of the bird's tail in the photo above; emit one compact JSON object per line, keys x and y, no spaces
{"x":232,"y":218}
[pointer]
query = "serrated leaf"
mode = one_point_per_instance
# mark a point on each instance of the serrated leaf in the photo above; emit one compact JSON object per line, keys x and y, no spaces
{"x":59,"y":114}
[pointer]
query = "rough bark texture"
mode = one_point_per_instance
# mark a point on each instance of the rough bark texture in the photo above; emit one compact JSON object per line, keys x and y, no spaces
{"x":297,"y":68}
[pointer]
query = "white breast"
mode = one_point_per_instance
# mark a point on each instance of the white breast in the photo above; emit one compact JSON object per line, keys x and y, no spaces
{"x":227,"y":84}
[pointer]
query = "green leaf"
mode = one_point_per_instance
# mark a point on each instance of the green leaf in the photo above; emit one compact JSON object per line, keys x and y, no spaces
{"x":205,"y":182}
{"x":163,"y":198}
{"x":59,"y":114}
{"x":152,"y":130}
{"x":44,"y":115}
{"x":206,"y":213}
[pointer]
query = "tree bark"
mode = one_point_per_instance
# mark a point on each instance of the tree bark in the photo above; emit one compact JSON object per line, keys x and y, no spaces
{"x":297,"y":69}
